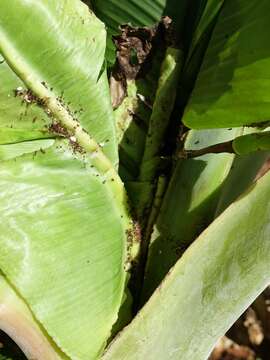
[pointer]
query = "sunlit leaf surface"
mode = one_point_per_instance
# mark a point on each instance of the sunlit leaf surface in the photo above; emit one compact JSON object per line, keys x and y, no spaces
{"x":234,"y":82}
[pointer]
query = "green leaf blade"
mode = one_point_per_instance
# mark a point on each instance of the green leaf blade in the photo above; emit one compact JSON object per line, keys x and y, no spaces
{"x":63,"y":240}
{"x":198,"y":301}
{"x":236,"y":65}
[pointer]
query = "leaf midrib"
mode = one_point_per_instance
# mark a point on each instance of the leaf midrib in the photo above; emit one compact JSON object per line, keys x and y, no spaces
{"x":50,"y":102}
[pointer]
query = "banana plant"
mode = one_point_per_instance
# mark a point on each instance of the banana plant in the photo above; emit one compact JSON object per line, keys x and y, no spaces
{"x":135,"y":214}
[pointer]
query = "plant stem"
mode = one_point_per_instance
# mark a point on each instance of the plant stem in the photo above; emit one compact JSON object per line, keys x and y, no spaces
{"x":159,"y":121}
{"x":160,"y":117}
{"x":241,"y":145}
{"x":225,"y":147}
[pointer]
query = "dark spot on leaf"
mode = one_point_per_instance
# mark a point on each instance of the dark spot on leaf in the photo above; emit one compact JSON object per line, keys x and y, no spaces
{"x":44,"y":84}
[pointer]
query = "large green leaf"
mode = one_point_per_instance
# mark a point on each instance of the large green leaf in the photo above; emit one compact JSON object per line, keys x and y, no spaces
{"x":236,"y":65}
{"x":63,"y":245}
{"x":57,"y":52}
{"x":198,"y":301}
{"x":64,"y":218}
